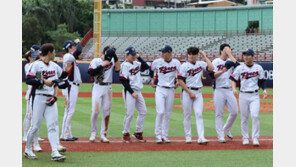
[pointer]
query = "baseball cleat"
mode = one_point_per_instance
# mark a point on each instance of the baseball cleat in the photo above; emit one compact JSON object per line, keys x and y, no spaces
{"x":56,"y":156}
{"x":159,"y":141}
{"x":165,"y":140}
{"x":221,"y":140}
{"x":92,"y":138}
{"x":188,"y":140}
{"x":202,"y":141}
{"x":62,"y":148}
{"x":29,"y":154}
{"x":255,"y":143}
{"x":40,"y":139}
{"x":246,"y":142}
{"x":37,"y":148}
{"x":229,"y":135}
{"x":75,"y":138}
{"x":104,"y":139}
{"x":139,"y":136}
{"x":67,"y":139}
{"x":126,"y":138}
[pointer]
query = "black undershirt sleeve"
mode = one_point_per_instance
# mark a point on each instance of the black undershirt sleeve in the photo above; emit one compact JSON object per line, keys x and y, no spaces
{"x":144,"y":65}
{"x":126,"y":85}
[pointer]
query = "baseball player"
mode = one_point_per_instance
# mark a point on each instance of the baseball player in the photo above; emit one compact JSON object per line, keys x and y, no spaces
{"x":71,"y":93}
{"x":43,"y":76}
{"x":167,"y":69}
{"x":223,"y":96}
{"x":101,"y":69}
{"x":31,"y":56}
{"x":250,"y":76}
{"x":131,"y":80}
{"x":190,"y":81}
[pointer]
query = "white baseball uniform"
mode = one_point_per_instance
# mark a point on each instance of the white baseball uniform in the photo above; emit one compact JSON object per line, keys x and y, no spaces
{"x":131,"y":73}
{"x":28,"y":116}
{"x":70,"y":94}
{"x":191,"y":74}
{"x":249,"y":100}
{"x":164,"y":94}
{"x":223,"y":96}
{"x":101,"y":97}
{"x":51,"y":71}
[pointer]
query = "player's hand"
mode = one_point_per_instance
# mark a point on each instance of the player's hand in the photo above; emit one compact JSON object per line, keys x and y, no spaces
{"x":51,"y":101}
{"x":192,"y":95}
{"x":177,"y":84}
{"x":137,"y":55}
{"x":48,"y":83}
{"x":135,"y":95}
{"x":77,"y":40}
{"x":264,"y":94}
{"x":202,"y":53}
{"x":224,"y":69}
{"x":152,"y":83}
{"x":67,"y":67}
{"x":228,"y":51}
{"x":234,"y":92}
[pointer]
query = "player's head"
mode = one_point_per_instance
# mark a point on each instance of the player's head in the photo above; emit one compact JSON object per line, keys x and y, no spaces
{"x":249,"y":56}
{"x":69,"y":46}
{"x":105,"y":49}
{"x":33,"y":54}
{"x":222,"y":47}
{"x":166,"y":53}
{"x":131,"y":53}
{"x":48,"y":50}
{"x":192,"y":53}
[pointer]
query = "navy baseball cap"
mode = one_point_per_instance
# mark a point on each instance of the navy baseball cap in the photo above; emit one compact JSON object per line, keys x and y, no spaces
{"x":167,"y":48}
{"x":249,"y":52}
{"x":110,"y":52}
{"x":131,"y":50}
{"x":68,"y":44}
{"x":35,"y":47}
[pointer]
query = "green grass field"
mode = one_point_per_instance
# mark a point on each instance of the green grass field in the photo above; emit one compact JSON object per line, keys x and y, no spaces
{"x":81,"y":128}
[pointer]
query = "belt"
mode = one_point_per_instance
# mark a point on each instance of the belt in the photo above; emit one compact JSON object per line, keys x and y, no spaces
{"x":166,"y":87}
{"x":193,"y":88}
{"x":249,"y":91}
{"x":44,"y":95}
{"x":104,"y":83}
{"x":75,"y":84}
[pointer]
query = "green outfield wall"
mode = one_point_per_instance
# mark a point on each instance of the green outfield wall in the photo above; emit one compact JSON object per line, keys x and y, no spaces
{"x":186,"y":19}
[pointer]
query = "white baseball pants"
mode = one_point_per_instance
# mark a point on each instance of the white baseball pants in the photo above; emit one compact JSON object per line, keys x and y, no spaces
{"x":101,"y":98}
{"x":249,"y":103}
{"x":50,"y":114}
{"x":130,"y":105}
{"x":70,"y":96}
{"x":197,"y":106}
{"x":164,"y":99}
{"x":222,"y":98}
{"x":27,"y":121}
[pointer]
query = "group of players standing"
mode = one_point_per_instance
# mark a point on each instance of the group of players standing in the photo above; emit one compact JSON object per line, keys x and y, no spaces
{"x":166,"y":75}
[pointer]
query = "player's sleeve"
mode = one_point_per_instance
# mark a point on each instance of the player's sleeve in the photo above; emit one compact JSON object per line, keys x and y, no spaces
{"x":68,"y":58}
{"x":182,"y":73}
{"x":94,"y":68}
{"x":124,"y":79}
{"x":31,"y":76}
{"x":78,"y":51}
{"x":154,"y":65}
{"x":204,"y":65}
{"x":261,"y":79}
{"x":143,"y":66}
{"x":236,"y":74}
{"x":215,"y":66}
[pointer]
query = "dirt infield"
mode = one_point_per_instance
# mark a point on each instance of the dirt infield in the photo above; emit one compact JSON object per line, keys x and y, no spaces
{"x":265,"y":106}
{"x":147,"y":95}
{"x":177,"y":144}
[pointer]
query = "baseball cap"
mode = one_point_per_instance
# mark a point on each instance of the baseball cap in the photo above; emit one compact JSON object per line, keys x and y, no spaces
{"x":68,"y":44}
{"x":35,"y":47}
{"x":249,"y":52}
{"x":110,"y":52}
{"x":166,"y":48}
{"x":131,"y":50}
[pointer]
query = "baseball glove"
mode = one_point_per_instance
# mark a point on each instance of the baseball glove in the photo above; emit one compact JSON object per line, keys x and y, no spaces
{"x":39,"y":77}
{"x":61,"y":83}
{"x":229,"y":64}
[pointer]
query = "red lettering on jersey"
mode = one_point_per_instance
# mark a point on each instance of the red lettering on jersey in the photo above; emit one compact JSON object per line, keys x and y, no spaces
{"x":48,"y":74}
{"x":134,"y":71}
{"x":193,"y":72}
{"x":167,"y":69}
{"x":220,"y":67}
{"x":248,"y":75}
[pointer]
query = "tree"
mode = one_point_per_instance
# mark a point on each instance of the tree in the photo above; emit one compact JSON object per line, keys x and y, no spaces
{"x":32,"y":32}
{"x":61,"y":35}
{"x":106,"y":6}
